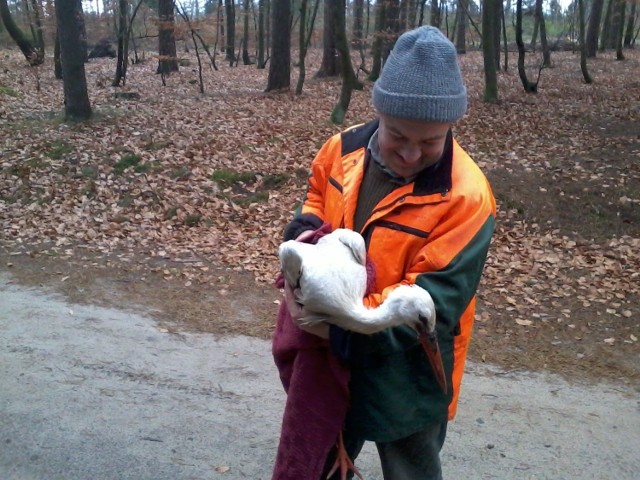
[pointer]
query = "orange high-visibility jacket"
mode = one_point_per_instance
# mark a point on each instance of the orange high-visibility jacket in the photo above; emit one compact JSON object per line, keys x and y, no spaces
{"x":434,"y":232}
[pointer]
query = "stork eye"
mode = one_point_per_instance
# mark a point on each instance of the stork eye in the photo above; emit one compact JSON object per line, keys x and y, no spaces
{"x":422,"y":327}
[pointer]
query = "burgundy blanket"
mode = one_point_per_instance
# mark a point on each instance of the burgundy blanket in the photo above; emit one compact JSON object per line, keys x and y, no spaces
{"x":316,"y":383}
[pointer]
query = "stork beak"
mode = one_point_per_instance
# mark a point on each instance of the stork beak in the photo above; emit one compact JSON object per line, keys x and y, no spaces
{"x":429,"y":341}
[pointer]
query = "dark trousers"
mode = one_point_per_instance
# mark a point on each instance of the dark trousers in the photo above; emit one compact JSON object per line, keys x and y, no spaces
{"x":416,"y":457}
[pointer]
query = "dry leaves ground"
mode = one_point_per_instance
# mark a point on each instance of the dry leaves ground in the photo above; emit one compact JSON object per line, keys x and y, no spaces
{"x":177,"y":201}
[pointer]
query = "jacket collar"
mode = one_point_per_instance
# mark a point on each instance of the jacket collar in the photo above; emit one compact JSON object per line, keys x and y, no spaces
{"x":437,"y":177}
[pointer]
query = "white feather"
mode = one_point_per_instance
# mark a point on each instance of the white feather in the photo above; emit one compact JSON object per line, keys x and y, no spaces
{"x":330,"y":280}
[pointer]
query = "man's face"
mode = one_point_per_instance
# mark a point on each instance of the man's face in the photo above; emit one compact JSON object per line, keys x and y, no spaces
{"x":409,"y":146}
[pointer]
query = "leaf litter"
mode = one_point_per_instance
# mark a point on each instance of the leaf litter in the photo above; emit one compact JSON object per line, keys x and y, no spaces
{"x":138,"y":190}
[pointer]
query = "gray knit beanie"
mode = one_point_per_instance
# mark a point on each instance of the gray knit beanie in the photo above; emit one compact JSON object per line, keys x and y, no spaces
{"x":421,"y":79}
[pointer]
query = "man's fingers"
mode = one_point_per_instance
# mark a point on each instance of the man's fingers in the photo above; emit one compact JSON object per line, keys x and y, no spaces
{"x":295,"y":309}
{"x":304,"y":236}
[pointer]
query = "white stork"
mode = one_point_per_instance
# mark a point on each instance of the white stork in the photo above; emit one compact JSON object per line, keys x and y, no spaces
{"x":329,"y":278}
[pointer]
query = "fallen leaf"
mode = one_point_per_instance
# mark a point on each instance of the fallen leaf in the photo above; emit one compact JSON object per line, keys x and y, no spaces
{"x":523,"y":322}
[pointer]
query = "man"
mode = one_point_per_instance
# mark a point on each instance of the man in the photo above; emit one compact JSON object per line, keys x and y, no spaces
{"x":427,"y":214}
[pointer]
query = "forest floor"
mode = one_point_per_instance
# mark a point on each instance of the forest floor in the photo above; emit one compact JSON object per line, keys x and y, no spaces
{"x":175,"y":202}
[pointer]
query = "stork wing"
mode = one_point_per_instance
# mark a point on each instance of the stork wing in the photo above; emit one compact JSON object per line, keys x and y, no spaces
{"x":291,"y":262}
{"x":354,"y":242}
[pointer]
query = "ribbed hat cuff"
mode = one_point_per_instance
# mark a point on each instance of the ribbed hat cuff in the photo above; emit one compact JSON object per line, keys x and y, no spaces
{"x":430,"y":108}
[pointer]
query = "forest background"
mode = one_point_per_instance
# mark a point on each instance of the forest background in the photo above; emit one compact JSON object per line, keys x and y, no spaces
{"x":165,"y":175}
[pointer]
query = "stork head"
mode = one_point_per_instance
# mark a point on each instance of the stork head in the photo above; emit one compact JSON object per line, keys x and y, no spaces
{"x":419,"y":303}
{"x":425,"y":324}
{"x":414,"y":304}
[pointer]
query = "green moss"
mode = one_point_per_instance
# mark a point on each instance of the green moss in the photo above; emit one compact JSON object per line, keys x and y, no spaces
{"x":180,"y":173}
{"x":142,"y":167}
{"x":171,"y":213}
{"x":89,"y":171}
{"x":274,"y":181}
{"x":59,"y":150}
{"x":128,"y":160}
{"x":125,"y":201}
{"x":9,"y":91}
{"x":226,"y":177}
{"x":258,"y":197}
{"x":192,"y":220}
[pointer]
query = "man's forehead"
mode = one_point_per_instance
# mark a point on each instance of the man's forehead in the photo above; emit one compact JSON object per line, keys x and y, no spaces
{"x":424,"y":130}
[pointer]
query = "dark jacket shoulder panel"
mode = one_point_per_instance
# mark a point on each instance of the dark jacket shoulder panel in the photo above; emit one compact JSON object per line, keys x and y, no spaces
{"x":358,"y":137}
{"x":437,"y":178}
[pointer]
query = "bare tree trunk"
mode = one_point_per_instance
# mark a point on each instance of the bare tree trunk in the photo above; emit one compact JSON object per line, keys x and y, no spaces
{"x":402,"y":17}
{"x":221,"y":29}
{"x":261,"y":33}
{"x":57,"y":66}
{"x":436,"y":17}
{"x":392,"y":19}
{"x":497,"y":13}
{"x":504,"y":39}
{"x":368,"y":21}
{"x":195,"y":36}
{"x":121,"y":64}
{"x":583,"y":46}
{"x":33,"y":55}
{"x":461,"y":32}
{"x":411,"y":18}
{"x":280,"y":65}
{"x":628,"y":37}
{"x":245,"y":48}
{"x":536,"y":26}
{"x":230,"y":11}
{"x":605,"y":40}
{"x":349,"y":81}
{"x":528,"y":86}
{"x":37,"y":20}
{"x":76,"y":98}
{"x":168,"y":59}
{"x":593,"y":30}
{"x":358,"y":32}
{"x":465,"y":7}
{"x":619,"y":24}
{"x":302,"y":47}
{"x":128,"y":36}
{"x":329,"y":66}
{"x":358,"y":24}
{"x":269,"y":5}
{"x":422,"y":5}
{"x":306,"y":30}
{"x":546,"y":53}
{"x":490,"y":70}
{"x":378,"y":40}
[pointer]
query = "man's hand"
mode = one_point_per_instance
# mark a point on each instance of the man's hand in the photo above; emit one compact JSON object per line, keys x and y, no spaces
{"x":306,"y":235}
{"x":297,"y":312}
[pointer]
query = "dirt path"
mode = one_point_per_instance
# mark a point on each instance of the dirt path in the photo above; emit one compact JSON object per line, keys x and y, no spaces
{"x":232,"y":303}
{"x":92,"y":392}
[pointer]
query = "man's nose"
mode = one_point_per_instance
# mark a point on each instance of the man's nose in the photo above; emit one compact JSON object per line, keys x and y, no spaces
{"x":410,"y":153}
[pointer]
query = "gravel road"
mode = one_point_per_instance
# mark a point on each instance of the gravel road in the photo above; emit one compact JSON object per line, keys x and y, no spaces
{"x":97,"y":393}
